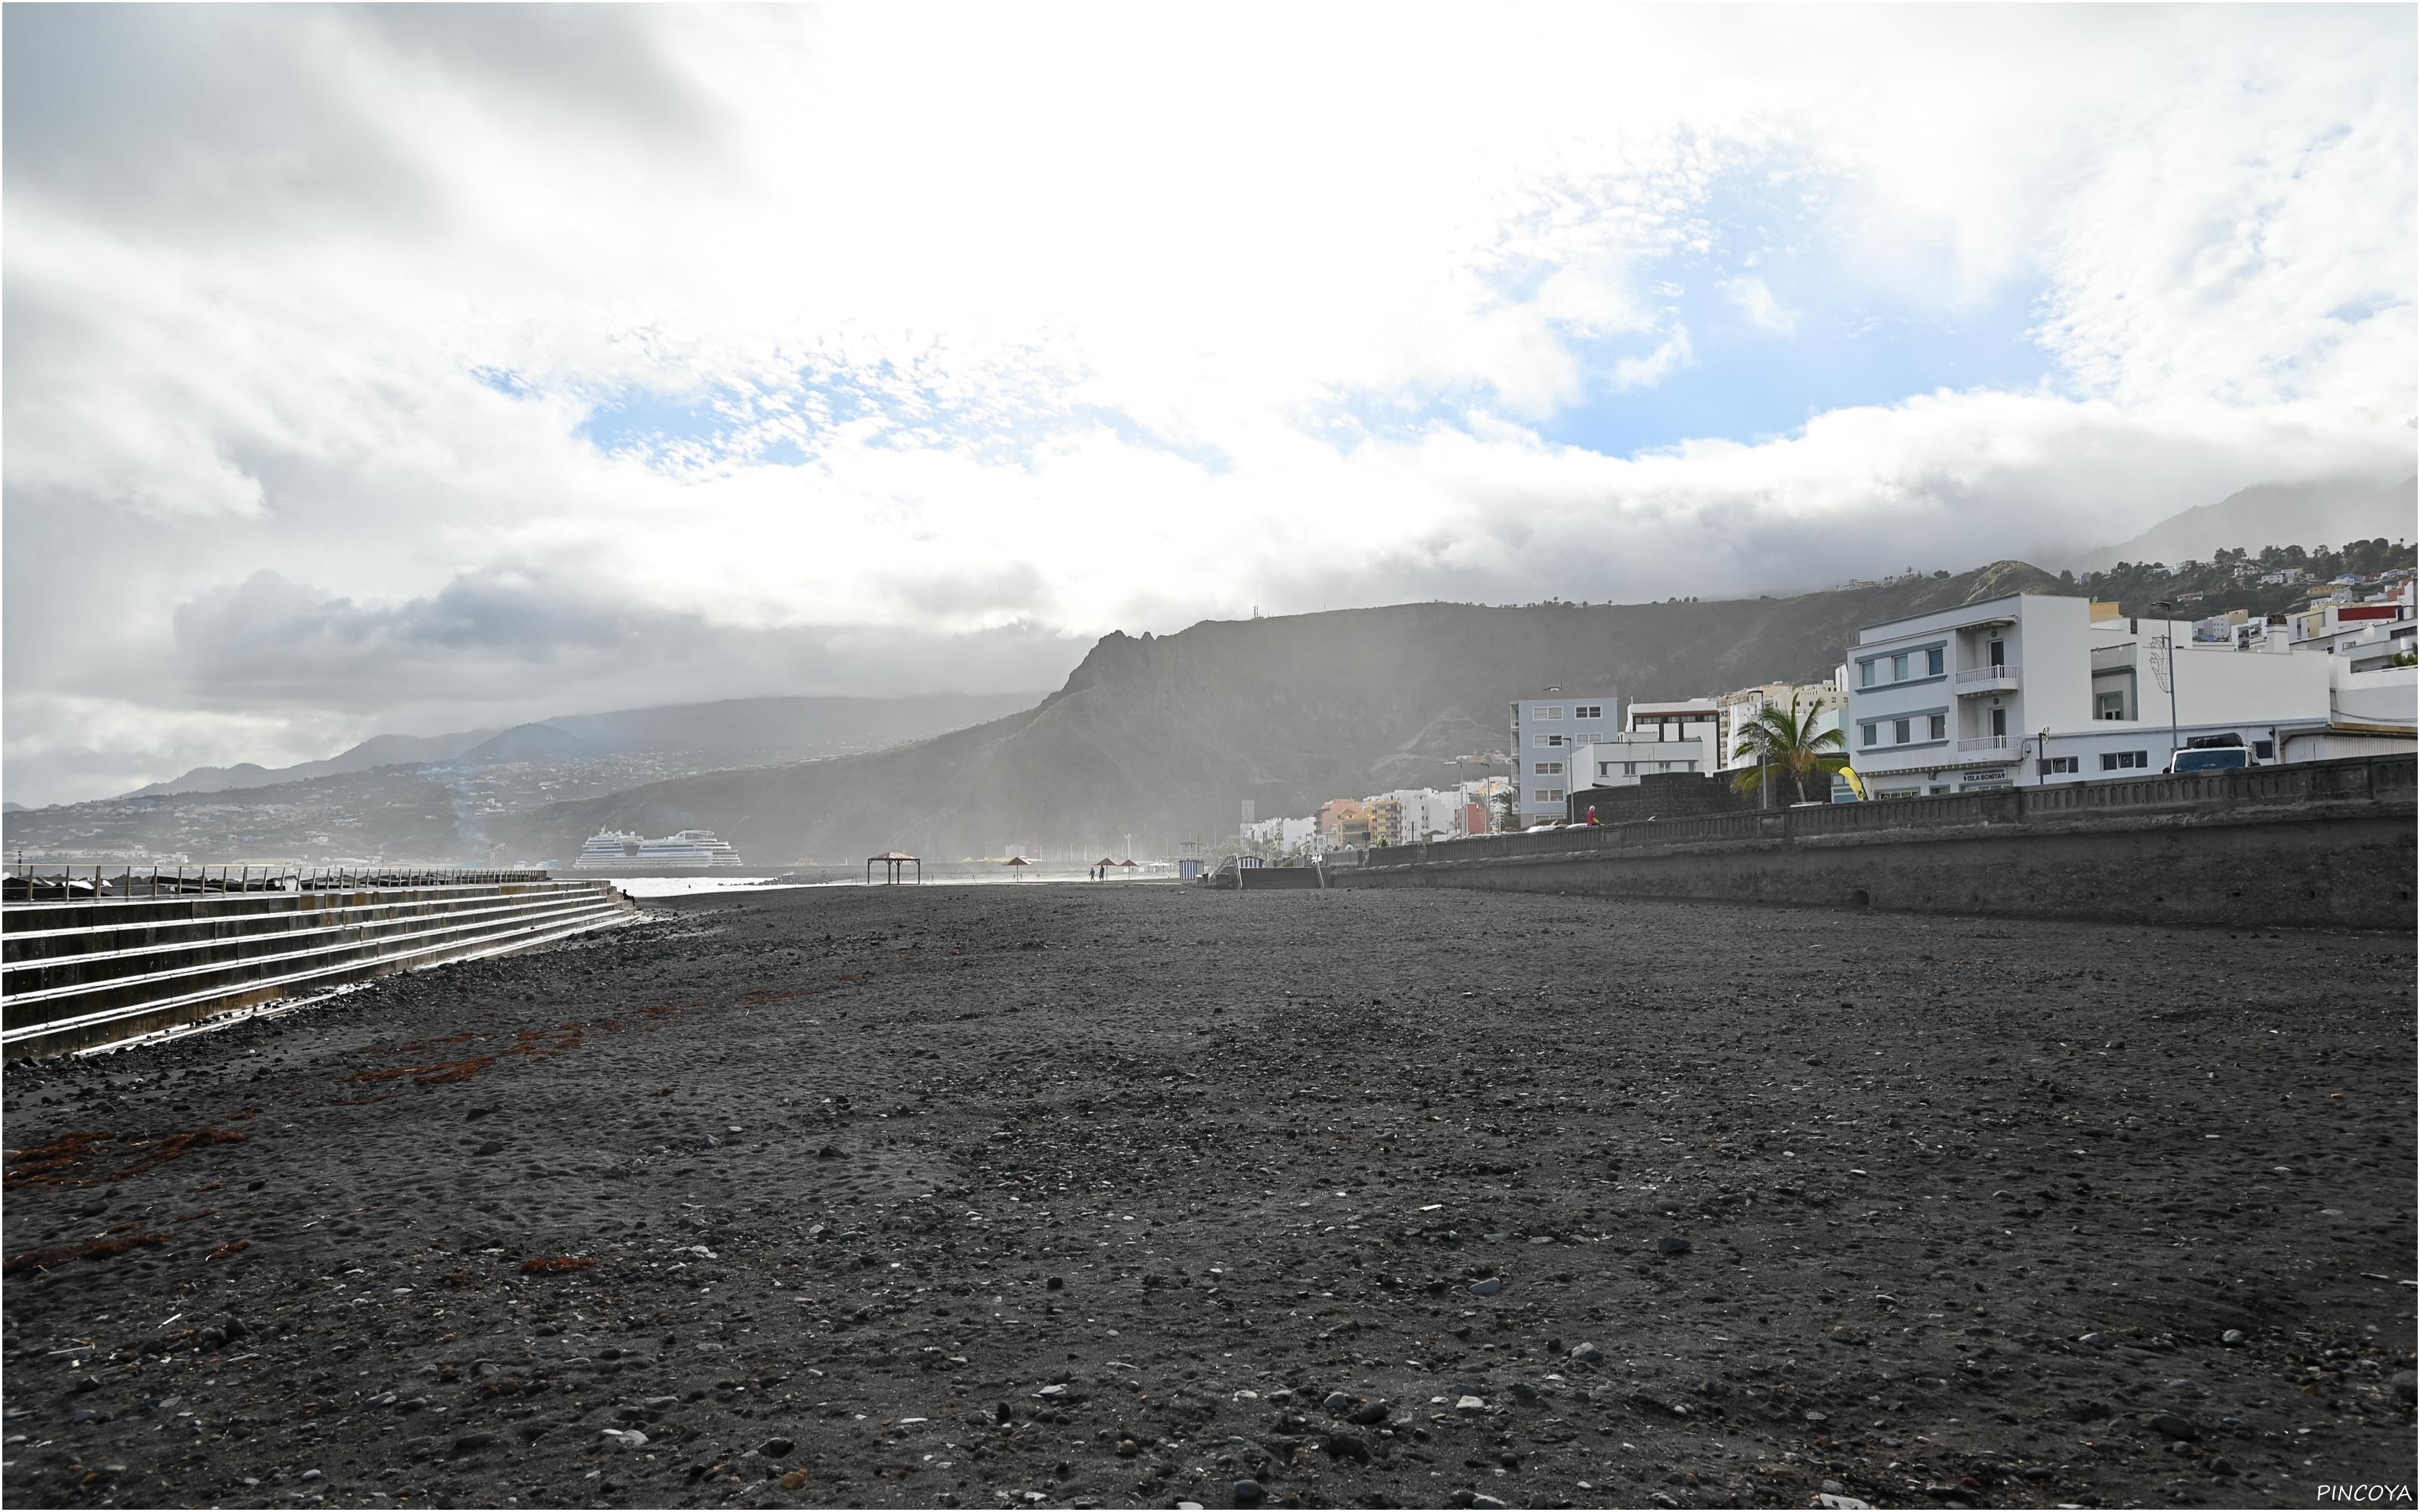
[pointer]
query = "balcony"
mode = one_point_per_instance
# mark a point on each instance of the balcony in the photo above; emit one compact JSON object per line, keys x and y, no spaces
{"x":1986,"y":680}
{"x":1991,"y":744}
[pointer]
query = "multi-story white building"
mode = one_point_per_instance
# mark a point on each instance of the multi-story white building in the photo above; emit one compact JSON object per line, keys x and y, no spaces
{"x":1822,"y":703}
{"x":1547,"y":729}
{"x":2033,"y":688}
{"x":1695,"y":720}
{"x":1281,"y":836}
{"x":1420,"y":814}
{"x":1622,"y":761}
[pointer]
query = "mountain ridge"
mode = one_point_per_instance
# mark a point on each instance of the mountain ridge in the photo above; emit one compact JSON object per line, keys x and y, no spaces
{"x":2328,"y":512}
{"x":747,"y":730}
{"x":368,"y":755}
{"x":1161,"y":736}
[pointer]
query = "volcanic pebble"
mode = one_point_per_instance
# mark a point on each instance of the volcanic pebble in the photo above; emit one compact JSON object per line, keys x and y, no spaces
{"x":1412,"y":1198}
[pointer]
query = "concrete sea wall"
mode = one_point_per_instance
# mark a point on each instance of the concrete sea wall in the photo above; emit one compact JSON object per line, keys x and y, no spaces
{"x":2326,"y":844}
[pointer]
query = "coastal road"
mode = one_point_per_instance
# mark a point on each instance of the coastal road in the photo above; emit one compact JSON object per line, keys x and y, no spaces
{"x":1133,"y":1194}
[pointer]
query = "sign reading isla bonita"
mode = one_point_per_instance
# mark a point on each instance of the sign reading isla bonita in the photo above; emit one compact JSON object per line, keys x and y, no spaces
{"x":1988,"y":777}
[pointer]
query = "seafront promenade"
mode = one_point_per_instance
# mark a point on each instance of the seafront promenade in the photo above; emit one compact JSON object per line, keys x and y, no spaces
{"x":1092,"y":1195}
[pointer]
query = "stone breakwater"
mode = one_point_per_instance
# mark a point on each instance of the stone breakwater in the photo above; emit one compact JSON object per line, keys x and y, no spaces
{"x":1083,"y":1195}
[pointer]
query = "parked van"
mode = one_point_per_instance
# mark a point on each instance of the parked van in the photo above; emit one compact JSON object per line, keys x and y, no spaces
{"x":2209,"y":760}
{"x":2210,"y":753}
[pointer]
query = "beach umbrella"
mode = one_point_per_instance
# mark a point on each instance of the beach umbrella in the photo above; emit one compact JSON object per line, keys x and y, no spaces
{"x":1017,"y":860}
{"x":1105,"y":861}
{"x":1130,"y":864}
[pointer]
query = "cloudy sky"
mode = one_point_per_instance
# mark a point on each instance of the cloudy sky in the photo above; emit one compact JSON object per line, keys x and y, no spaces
{"x":415,"y":368}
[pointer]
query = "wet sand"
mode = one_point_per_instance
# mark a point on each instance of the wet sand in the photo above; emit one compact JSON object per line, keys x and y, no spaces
{"x":1083,"y":1194}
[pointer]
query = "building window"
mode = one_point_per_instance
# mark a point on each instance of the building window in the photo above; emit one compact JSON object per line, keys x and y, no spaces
{"x":1938,"y":728}
{"x":1932,"y":662}
{"x":1898,"y":731}
{"x":1585,"y":737}
{"x":1545,"y":740}
{"x":1546,"y":796}
{"x":1630,"y":768}
{"x":2109,"y":705}
{"x":1899,"y":668}
{"x":1549,"y":769}
{"x":2057,"y":765}
{"x":1550,"y":713}
{"x":2120,"y":761}
{"x":1865,"y":674}
{"x":1589,"y":711}
{"x":2264,"y":751}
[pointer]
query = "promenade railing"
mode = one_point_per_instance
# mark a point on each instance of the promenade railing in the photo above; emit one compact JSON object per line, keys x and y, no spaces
{"x":79,"y":881}
{"x":2379,"y":779}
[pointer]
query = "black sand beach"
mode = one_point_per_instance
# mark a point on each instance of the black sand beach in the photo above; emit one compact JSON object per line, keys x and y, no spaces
{"x":1105,"y":1195}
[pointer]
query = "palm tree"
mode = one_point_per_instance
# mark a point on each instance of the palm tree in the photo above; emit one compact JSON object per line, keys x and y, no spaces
{"x":1786,"y":746}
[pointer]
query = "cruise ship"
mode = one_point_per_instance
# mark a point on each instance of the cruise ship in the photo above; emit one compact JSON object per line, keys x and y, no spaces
{"x":692,"y":853}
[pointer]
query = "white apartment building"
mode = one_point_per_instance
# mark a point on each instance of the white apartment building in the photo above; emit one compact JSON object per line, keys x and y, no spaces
{"x":1423,"y":814}
{"x":1622,"y":761}
{"x":1282,"y":837}
{"x":1823,"y":701}
{"x":1695,"y":720}
{"x":1683,"y":736}
{"x":1547,"y":729}
{"x":2032,"y":690}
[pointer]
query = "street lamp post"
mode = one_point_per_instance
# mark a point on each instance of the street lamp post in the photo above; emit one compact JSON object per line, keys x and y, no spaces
{"x":2166,"y":609}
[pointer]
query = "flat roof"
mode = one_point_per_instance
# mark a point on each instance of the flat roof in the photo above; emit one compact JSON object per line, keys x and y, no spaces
{"x":1570,"y":693}
{"x":1683,"y":706}
{"x":2002,"y":609}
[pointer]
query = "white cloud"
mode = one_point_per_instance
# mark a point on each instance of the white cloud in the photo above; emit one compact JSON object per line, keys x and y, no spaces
{"x":1047,"y":343}
{"x":1753,"y":297}
{"x":1673,"y":351}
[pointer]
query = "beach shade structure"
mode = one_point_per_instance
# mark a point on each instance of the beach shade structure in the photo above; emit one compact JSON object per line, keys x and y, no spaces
{"x":1105,"y":861}
{"x":1131,"y":864}
{"x":892,"y":863}
{"x":1016,"y":860}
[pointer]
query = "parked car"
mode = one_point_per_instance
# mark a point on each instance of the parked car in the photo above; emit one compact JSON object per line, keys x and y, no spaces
{"x":2209,"y":759}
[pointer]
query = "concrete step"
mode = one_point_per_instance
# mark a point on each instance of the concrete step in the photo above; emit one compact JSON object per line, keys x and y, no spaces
{"x":23,"y":923}
{"x":134,"y":972}
{"x":55,"y":956}
{"x":64,"y":1017}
